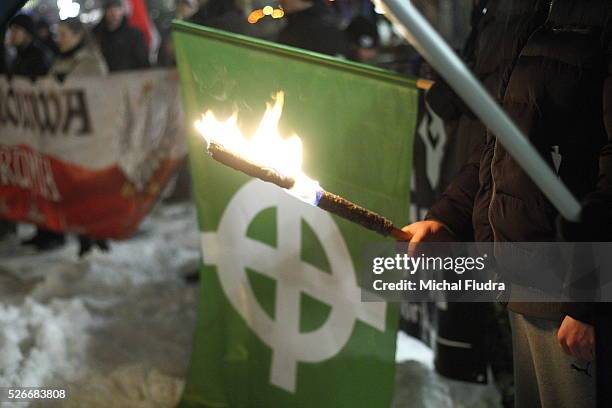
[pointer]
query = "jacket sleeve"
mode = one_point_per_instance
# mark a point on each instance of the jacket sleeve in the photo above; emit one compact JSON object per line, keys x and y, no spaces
{"x":455,"y":207}
{"x":581,"y":311}
{"x":595,"y":223}
{"x":596,"y":217}
{"x":445,"y":102}
{"x":603,"y":192}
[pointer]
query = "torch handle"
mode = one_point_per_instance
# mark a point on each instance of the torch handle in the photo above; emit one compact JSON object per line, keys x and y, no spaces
{"x":348,"y":210}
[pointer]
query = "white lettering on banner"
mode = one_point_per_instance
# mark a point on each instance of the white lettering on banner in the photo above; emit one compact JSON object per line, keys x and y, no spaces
{"x":28,"y":170}
{"x":231,"y":251}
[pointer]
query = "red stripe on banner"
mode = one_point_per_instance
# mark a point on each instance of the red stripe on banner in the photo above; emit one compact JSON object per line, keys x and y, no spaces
{"x":61,"y":196}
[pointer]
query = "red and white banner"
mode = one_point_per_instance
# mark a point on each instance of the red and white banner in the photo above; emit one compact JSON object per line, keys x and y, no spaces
{"x":90,"y":155}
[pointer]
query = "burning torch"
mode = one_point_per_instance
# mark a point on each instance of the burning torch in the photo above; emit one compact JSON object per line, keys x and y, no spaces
{"x":269,"y":157}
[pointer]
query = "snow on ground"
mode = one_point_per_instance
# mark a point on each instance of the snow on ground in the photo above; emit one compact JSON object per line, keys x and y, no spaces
{"x":116,"y":328}
{"x":417,"y":385}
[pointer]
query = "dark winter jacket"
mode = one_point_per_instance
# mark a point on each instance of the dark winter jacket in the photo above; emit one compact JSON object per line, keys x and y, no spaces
{"x":50,"y":46}
{"x":500,"y":30}
{"x":31,"y":61}
{"x":314,"y":29}
{"x":123,"y":49}
{"x":554,"y":93}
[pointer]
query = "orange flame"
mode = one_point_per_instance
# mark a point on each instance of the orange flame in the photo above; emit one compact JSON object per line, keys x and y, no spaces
{"x":266,"y":146}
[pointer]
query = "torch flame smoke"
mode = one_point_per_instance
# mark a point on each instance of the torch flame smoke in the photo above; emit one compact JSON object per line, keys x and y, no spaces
{"x":266,"y":147}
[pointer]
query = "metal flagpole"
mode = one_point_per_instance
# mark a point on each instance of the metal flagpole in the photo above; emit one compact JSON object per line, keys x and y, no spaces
{"x":432,"y":47}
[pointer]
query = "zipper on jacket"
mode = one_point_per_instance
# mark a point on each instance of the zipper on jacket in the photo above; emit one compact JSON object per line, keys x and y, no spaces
{"x":493,"y":186}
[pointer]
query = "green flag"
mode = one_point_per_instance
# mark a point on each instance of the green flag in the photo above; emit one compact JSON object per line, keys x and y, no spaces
{"x":281,"y":322}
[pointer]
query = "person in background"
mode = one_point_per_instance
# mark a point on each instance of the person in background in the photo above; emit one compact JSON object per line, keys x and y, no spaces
{"x":185,"y":10}
{"x":77,"y":55}
{"x":363,"y":39}
{"x":310,"y":25}
{"x":30,"y":60}
{"x":223,"y":15}
{"x":8,"y":229}
{"x":123,"y":47}
{"x":45,"y":36}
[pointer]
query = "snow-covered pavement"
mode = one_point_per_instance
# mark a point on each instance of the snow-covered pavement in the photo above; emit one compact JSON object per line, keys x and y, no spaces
{"x":116,"y":328}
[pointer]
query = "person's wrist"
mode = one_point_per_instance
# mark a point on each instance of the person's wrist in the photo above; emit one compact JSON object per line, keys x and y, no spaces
{"x":442,"y":225}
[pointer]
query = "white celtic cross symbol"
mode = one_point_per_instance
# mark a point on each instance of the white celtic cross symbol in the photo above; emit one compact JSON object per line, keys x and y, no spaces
{"x":231,"y":251}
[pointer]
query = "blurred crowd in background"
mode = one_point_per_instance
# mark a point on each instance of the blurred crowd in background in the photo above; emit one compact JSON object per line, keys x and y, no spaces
{"x":118,"y":35}
{"x":99,"y":37}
